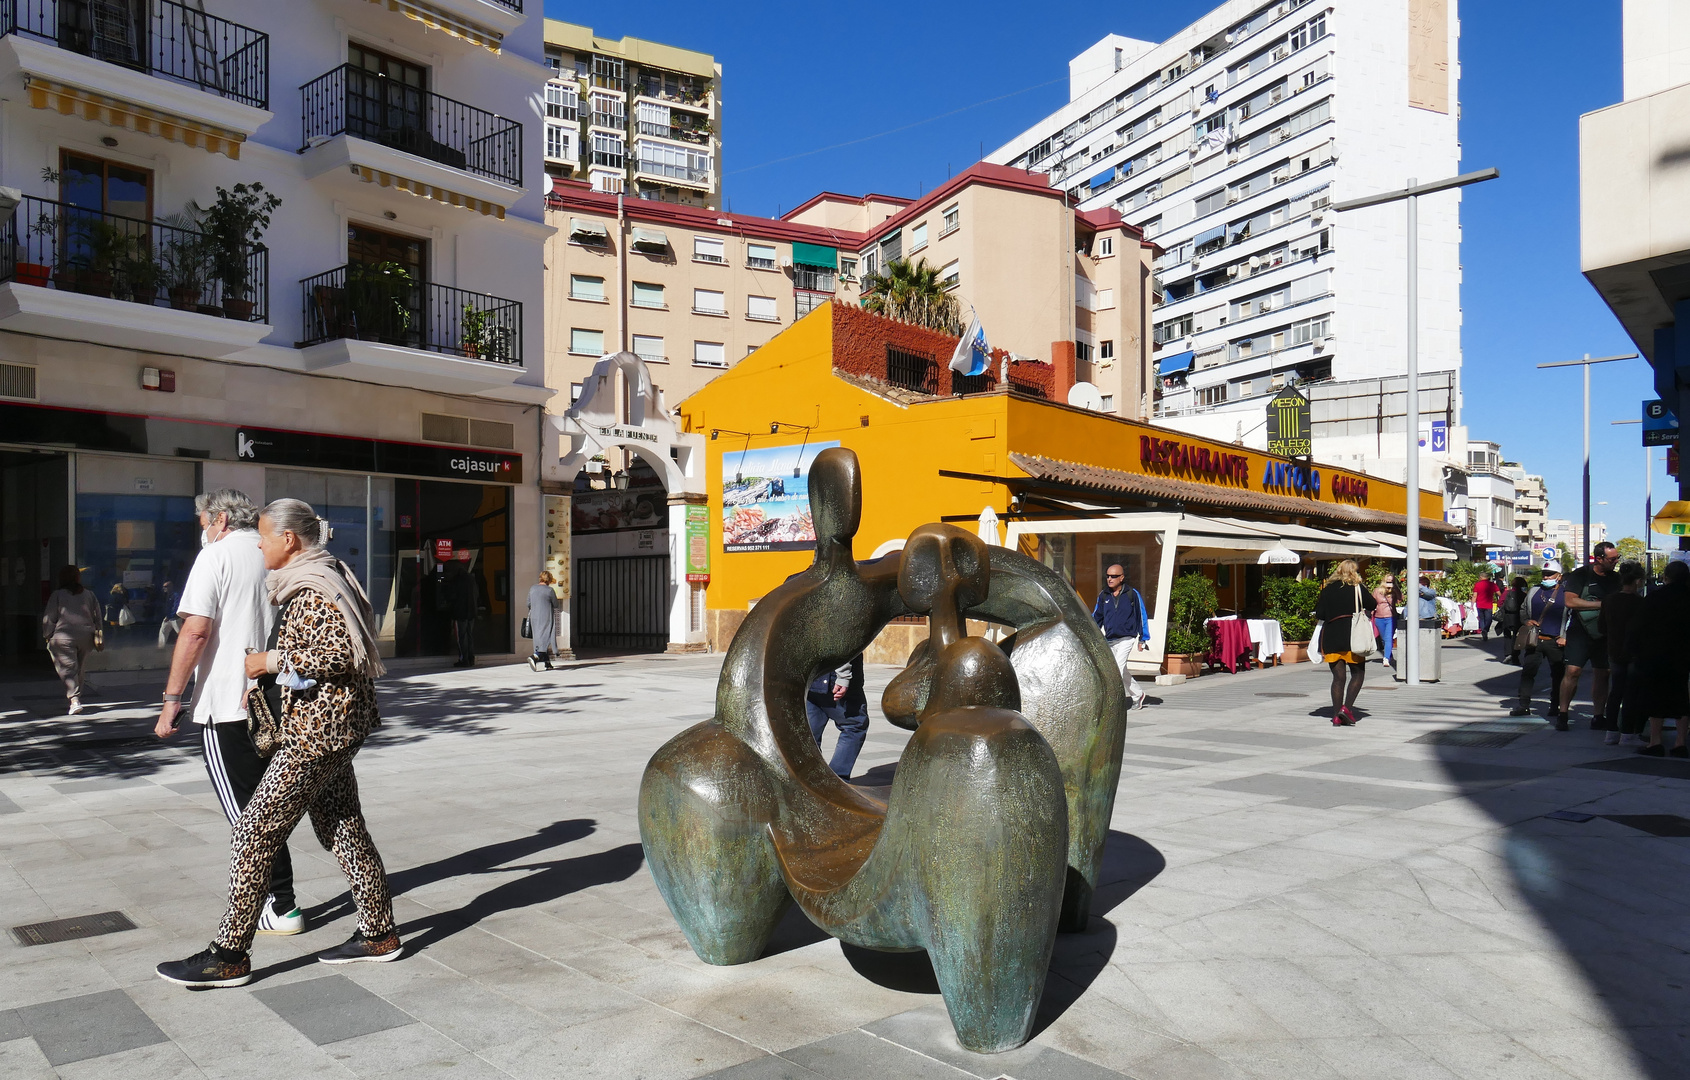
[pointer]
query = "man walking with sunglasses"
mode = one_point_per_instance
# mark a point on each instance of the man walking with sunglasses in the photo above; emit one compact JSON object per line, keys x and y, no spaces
{"x":1119,"y":613}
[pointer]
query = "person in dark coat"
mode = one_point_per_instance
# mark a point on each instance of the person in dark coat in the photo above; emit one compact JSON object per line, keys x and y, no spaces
{"x":1661,"y":650}
{"x":459,"y":590}
{"x":1340,"y":598}
{"x":839,"y":696}
{"x":1615,"y":624}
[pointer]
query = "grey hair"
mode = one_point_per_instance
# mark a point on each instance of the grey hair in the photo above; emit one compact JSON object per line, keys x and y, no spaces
{"x":297,"y":517}
{"x":243,"y":514}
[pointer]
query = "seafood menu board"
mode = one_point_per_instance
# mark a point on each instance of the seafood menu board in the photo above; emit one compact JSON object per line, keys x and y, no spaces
{"x":766,"y":498}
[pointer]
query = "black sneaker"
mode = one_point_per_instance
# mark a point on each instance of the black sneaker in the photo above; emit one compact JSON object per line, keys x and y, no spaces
{"x":1519,"y":710}
{"x":208,"y":969}
{"x":1680,"y":751}
{"x":359,"y":948}
{"x":1657,"y":750}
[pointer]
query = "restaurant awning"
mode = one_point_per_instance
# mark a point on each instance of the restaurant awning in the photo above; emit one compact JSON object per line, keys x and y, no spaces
{"x":1312,"y":541}
{"x":1394,"y":546}
{"x":651,"y":241}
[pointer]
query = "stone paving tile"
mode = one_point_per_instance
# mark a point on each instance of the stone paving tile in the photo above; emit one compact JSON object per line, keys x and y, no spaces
{"x":89,"y":1026}
{"x":331,"y":1008}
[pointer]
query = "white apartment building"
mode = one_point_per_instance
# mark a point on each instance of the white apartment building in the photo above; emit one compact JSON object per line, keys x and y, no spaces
{"x":1531,"y":506}
{"x":1227,"y":143}
{"x":377,"y":351}
{"x":1490,"y":499}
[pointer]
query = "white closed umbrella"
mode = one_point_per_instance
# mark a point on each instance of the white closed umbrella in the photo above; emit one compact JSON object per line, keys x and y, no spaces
{"x":989,"y":527}
{"x":1278,"y":556}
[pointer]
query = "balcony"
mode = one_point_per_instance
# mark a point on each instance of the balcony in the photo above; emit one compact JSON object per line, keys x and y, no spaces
{"x":78,"y":274}
{"x":485,"y":23}
{"x":688,"y":97}
{"x":362,"y":104}
{"x":678,"y":132}
{"x":669,"y":171}
{"x":813,"y":279}
{"x":376,"y":322}
{"x":162,"y":38}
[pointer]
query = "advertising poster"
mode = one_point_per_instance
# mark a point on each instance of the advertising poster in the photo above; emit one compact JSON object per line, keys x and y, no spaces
{"x":698,"y":543}
{"x":768,"y":507}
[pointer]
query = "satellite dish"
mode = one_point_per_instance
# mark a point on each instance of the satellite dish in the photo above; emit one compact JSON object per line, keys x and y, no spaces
{"x":1085,"y":396}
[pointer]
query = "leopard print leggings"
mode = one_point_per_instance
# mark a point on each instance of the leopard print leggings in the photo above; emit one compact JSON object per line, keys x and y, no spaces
{"x":293,"y":784}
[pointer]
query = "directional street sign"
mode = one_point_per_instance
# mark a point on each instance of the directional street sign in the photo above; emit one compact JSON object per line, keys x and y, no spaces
{"x":1660,"y":426}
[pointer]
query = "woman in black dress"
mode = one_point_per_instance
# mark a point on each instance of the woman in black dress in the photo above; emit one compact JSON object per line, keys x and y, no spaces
{"x":1340,"y":598}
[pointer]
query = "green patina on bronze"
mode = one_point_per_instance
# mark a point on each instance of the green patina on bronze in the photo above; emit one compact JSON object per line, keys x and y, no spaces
{"x":991,"y":834}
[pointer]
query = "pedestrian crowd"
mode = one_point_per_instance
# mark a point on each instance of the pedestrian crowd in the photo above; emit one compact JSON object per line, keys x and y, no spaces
{"x":1634,"y":642}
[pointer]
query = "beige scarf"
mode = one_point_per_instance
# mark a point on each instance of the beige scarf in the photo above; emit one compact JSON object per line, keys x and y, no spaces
{"x":315,"y":568}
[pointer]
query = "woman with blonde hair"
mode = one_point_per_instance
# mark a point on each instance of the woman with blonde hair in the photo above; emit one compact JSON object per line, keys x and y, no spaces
{"x":542,"y":620}
{"x":318,"y":676}
{"x":1340,"y":599}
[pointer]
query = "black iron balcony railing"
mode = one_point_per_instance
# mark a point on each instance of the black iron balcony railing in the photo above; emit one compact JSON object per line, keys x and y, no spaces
{"x":157,"y":37}
{"x":514,"y":5}
{"x":382,"y":302}
{"x":367,"y":105}
{"x":71,"y":249}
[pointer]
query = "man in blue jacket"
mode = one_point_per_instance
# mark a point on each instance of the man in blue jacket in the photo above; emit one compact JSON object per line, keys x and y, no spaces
{"x":1119,"y":613}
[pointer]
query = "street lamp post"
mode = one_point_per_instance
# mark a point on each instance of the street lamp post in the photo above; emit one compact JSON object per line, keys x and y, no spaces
{"x":1411,"y":195}
{"x":1580,"y":556}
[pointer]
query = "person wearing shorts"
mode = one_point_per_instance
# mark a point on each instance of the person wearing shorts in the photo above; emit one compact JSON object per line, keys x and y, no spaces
{"x":1586,"y":588}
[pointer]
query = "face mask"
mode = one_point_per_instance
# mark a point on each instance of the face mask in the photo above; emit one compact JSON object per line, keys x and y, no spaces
{"x":205,"y":539}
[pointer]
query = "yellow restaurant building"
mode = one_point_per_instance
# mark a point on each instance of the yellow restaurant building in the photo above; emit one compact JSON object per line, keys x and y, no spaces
{"x":1077,"y":489}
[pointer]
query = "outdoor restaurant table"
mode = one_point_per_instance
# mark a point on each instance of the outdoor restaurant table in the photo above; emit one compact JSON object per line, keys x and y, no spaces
{"x":1229,"y":640}
{"x":1268,"y":639}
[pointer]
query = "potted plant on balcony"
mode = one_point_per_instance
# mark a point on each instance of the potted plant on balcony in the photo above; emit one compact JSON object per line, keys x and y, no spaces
{"x":475,"y":328}
{"x":45,"y":226}
{"x":234,"y":226}
{"x":1191,"y":602}
{"x":184,"y":258}
{"x":142,"y":275}
{"x":376,"y":294}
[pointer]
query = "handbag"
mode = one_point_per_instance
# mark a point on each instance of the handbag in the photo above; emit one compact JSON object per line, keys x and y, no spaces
{"x":262,"y":716}
{"x":1526,"y":639}
{"x":1361,"y":629}
{"x":527,"y":629}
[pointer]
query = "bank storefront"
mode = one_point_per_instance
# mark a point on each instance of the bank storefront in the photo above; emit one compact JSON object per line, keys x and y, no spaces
{"x":114,"y":493}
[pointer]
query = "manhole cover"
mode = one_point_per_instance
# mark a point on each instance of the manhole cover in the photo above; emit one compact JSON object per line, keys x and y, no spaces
{"x":1280,"y":693}
{"x":1654,"y":824}
{"x":82,"y":926}
{"x":1459,"y":737}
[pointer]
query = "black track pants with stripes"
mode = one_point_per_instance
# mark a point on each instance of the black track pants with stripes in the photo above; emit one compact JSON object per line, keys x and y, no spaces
{"x":235,"y":769}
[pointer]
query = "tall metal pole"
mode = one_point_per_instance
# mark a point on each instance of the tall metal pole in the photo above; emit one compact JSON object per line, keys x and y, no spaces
{"x":1411,"y":481}
{"x":1411,"y":515}
{"x":1579,"y":556}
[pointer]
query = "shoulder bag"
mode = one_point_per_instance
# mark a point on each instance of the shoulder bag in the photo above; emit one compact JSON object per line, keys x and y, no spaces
{"x":262,"y":721}
{"x":1361,"y":629}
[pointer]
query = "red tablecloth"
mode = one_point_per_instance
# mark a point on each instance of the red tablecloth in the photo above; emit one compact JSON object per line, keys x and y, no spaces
{"x":1229,"y":642}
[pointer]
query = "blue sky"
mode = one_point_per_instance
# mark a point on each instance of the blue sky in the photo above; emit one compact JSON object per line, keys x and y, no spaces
{"x":798,"y":81}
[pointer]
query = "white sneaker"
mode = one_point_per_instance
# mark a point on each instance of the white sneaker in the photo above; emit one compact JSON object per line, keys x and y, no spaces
{"x":1631,"y":740}
{"x":532,"y":666}
{"x":75,"y":706}
{"x":280,"y":925}
{"x":1612,"y":738}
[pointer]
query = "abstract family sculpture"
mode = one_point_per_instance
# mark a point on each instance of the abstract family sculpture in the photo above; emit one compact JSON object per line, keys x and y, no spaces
{"x":992,"y":832}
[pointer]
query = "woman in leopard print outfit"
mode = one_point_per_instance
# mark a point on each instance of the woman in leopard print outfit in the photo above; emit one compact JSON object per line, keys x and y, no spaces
{"x":323,"y":658}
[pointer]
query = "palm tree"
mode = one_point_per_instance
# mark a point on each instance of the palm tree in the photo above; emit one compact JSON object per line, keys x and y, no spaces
{"x":913,"y":293}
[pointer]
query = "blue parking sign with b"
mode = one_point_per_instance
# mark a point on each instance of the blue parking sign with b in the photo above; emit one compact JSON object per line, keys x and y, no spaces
{"x":1660,"y":426}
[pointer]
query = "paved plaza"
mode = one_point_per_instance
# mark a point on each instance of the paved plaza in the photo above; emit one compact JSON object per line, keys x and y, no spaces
{"x":1282,"y":899}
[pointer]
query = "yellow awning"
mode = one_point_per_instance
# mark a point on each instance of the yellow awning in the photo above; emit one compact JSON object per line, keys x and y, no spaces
{"x":427,"y":191}
{"x":75,"y":101}
{"x":435,"y":19}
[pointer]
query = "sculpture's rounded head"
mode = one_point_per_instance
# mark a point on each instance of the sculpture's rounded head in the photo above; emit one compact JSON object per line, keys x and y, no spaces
{"x":941,"y":558}
{"x":974,"y":671}
{"x":836,"y":495}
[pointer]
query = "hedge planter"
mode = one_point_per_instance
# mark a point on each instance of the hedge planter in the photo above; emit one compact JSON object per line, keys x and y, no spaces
{"x":1188,"y":664}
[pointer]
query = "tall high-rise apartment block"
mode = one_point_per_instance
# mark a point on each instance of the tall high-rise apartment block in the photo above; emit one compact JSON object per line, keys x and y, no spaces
{"x":1227,"y":143}
{"x":633,"y":116}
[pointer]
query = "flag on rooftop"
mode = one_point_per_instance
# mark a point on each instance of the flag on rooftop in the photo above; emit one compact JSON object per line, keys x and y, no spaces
{"x":972,"y":353}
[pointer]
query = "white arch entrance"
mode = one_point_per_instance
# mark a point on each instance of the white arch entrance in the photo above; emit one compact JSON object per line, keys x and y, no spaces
{"x":595,"y":424}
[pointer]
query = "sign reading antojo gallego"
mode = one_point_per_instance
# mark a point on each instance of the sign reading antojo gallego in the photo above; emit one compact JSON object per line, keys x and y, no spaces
{"x":1288,"y":424}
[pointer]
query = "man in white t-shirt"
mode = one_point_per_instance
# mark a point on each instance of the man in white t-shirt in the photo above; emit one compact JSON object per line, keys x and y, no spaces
{"x":226,"y":613}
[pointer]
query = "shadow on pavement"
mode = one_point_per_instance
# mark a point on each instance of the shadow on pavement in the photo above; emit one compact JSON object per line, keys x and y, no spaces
{"x":1615,"y":903}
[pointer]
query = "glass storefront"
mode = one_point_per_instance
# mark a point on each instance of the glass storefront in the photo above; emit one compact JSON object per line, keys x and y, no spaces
{"x":34,"y":544}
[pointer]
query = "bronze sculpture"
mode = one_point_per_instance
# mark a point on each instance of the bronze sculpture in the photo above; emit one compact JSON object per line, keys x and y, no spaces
{"x":993,"y":828}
